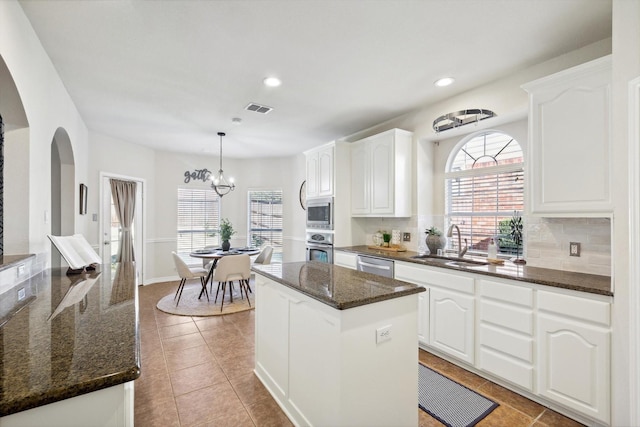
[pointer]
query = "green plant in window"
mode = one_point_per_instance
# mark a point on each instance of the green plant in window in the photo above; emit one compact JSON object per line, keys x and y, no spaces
{"x":515,"y":232}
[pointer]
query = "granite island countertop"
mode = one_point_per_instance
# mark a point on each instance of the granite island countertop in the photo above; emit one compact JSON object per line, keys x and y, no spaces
{"x":583,"y":282}
{"x":75,"y":335}
{"x":339,"y":287}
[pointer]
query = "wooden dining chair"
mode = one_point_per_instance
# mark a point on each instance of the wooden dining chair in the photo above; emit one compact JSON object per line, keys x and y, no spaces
{"x":230,"y":268}
{"x":185,"y":272}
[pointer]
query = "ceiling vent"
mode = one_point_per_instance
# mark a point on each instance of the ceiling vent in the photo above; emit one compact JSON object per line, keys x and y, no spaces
{"x":262,"y":109}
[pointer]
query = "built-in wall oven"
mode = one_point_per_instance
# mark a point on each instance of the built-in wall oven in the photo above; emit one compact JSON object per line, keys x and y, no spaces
{"x":320,"y":246}
{"x":320,"y":213}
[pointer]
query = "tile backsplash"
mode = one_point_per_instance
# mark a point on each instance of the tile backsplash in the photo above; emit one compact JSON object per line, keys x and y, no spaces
{"x":546,"y":240}
{"x":547,"y":244}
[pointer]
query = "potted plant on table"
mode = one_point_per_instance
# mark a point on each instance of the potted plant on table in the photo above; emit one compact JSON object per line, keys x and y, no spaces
{"x":435,"y":240}
{"x":226,"y":231}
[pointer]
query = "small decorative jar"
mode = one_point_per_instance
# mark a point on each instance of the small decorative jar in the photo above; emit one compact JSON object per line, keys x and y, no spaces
{"x":435,"y":240}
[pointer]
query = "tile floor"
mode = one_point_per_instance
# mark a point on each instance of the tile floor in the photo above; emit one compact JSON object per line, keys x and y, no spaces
{"x":198,"y":371}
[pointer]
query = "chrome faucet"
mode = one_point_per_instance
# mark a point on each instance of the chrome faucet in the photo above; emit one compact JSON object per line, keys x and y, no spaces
{"x":461,"y":250}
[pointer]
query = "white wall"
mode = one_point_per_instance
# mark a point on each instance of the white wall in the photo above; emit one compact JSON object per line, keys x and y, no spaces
{"x":16,"y":191}
{"x":47,"y":106}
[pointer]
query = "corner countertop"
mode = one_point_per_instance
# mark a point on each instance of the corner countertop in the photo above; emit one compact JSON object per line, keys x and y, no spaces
{"x":582,"y":282}
{"x":338,"y":287}
{"x":76,"y":334}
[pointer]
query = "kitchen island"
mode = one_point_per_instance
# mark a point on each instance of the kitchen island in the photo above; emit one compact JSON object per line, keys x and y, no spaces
{"x":336,"y":346}
{"x":70,"y":349}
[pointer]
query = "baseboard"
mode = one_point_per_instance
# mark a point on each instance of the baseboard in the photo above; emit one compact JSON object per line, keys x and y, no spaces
{"x":160,"y":280}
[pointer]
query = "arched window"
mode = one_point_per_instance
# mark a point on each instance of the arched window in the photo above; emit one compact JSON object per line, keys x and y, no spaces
{"x":484,"y":186}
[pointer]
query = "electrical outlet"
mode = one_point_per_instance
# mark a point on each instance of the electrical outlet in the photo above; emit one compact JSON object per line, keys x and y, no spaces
{"x":406,"y":237}
{"x":21,"y":294}
{"x":574,"y":249}
{"x":20,"y":270}
{"x":383,"y":334}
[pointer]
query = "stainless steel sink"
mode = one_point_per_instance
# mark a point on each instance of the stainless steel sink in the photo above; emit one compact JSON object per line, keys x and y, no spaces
{"x":452,"y":261}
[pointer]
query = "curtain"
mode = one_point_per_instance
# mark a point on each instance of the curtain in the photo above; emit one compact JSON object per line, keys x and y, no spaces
{"x":124,"y":200}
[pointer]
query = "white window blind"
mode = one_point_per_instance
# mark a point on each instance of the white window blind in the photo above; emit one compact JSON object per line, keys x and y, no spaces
{"x":198,"y":220}
{"x":484,"y":187}
{"x":265,"y":218}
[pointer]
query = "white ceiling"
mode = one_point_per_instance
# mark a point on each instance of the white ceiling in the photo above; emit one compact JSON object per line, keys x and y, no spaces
{"x":171,"y":74}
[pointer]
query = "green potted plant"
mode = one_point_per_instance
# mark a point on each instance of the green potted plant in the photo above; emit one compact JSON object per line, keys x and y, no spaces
{"x":515,"y":232}
{"x":435,"y":240}
{"x":226,"y":231}
{"x":386,"y":237}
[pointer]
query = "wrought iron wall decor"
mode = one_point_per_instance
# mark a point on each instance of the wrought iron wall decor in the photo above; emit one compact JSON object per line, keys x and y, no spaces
{"x":461,"y":118}
{"x":198,"y":174}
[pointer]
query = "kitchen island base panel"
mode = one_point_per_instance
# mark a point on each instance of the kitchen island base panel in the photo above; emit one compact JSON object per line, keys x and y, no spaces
{"x":327,"y":367}
{"x":109,"y":407}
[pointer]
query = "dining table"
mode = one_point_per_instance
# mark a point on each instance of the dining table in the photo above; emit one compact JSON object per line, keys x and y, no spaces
{"x":216,"y":253}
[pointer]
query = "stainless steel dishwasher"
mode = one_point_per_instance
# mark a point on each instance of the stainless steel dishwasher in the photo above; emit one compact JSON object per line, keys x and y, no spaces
{"x":379,"y":266}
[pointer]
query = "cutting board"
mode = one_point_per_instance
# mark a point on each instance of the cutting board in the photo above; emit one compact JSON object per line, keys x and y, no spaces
{"x":391,"y":248}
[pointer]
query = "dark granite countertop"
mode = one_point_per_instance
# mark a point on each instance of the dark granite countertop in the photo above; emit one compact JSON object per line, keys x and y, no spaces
{"x":339,"y":287}
{"x":8,"y":261}
{"x":583,"y":282}
{"x":75,"y":335}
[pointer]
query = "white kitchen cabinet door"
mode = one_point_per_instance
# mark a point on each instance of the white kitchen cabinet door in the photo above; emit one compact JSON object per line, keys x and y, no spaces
{"x":360,"y":182}
{"x":320,"y":171}
{"x":574,"y":365}
{"x":452,"y":323}
{"x":345,"y":259}
{"x":569,"y":155}
{"x":381,"y":175}
{"x":423,"y":317}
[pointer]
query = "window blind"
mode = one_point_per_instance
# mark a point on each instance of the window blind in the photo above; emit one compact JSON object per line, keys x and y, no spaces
{"x":482,"y":205}
{"x":265,"y":218}
{"x":198,"y":220}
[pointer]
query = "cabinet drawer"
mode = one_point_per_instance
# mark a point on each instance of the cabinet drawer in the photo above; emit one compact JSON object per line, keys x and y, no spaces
{"x":505,"y":316}
{"x":433,"y":277}
{"x":512,"y":294}
{"x":506,"y":342}
{"x":580,"y":308}
{"x":507,"y":368}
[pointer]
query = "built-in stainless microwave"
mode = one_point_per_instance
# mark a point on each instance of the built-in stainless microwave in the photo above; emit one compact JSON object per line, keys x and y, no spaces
{"x":320,"y":213}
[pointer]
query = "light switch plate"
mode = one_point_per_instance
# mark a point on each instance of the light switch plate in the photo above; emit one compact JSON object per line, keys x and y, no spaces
{"x":406,"y":237}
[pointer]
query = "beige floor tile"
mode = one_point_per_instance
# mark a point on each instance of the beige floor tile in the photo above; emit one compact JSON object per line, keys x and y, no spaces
{"x":187,"y":357}
{"x":504,"y":396}
{"x":249,"y":389}
{"x":553,"y":419}
{"x":196,"y":377}
{"x":208,"y":404}
{"x":267,"y":413}
{"x":160,"y":412}
{"x":178,"y":330}
{"x":182,"y":342}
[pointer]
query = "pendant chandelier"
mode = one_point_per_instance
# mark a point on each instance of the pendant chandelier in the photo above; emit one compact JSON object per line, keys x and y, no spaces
{"x":220,"y":184}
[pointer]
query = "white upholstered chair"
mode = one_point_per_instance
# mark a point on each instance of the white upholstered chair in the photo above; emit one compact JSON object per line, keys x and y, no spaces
{"x":230,"y":268}
{"x":265,"y":256}
{"x":185,"y":272}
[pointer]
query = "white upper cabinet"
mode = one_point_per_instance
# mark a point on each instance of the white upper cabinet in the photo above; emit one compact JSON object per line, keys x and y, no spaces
{"x":320,"y":171}
{"x":569,"y":150}
{"x":381,"y":175}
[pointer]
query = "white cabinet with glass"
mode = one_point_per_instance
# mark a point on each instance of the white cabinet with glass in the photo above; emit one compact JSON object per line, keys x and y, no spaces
{"x":569,"y":156}
{"x":381,"y":175}
{"x":320,"y":171}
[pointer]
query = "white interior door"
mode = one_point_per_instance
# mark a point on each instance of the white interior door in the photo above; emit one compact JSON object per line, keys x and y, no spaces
{"x":111,"y":228}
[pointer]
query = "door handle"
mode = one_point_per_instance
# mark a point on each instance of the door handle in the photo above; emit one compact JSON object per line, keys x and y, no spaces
{"x":107,"y":243}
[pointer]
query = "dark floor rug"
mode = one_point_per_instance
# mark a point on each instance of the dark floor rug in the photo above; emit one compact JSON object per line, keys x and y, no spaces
{"x":449,"y":402}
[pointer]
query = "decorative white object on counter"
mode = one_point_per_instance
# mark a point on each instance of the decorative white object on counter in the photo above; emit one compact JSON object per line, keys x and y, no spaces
{"x":396,"y":237}
{"x":492,"y":251}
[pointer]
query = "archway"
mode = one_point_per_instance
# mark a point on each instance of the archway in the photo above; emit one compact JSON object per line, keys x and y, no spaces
{"x":62,"y":189}
{"x":14,"y":173}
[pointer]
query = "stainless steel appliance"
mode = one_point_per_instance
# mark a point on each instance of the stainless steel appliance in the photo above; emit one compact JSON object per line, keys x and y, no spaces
{"x":320,"y":213}
{"x":379,"y":266}
{"x":320,"y":247}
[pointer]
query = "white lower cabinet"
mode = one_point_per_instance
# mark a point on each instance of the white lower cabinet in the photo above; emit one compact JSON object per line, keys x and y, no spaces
{"x":345,"y":259}
{"x":574,"y":345}
{"x":553,"y":345}
{"x":505,"y":332}
{"x":447,"y":313}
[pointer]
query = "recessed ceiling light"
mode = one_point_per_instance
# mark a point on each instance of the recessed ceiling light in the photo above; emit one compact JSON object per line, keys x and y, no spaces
{"x":272,"y":82}
{"x":236,"y":120}
{"x":445,"y":81}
